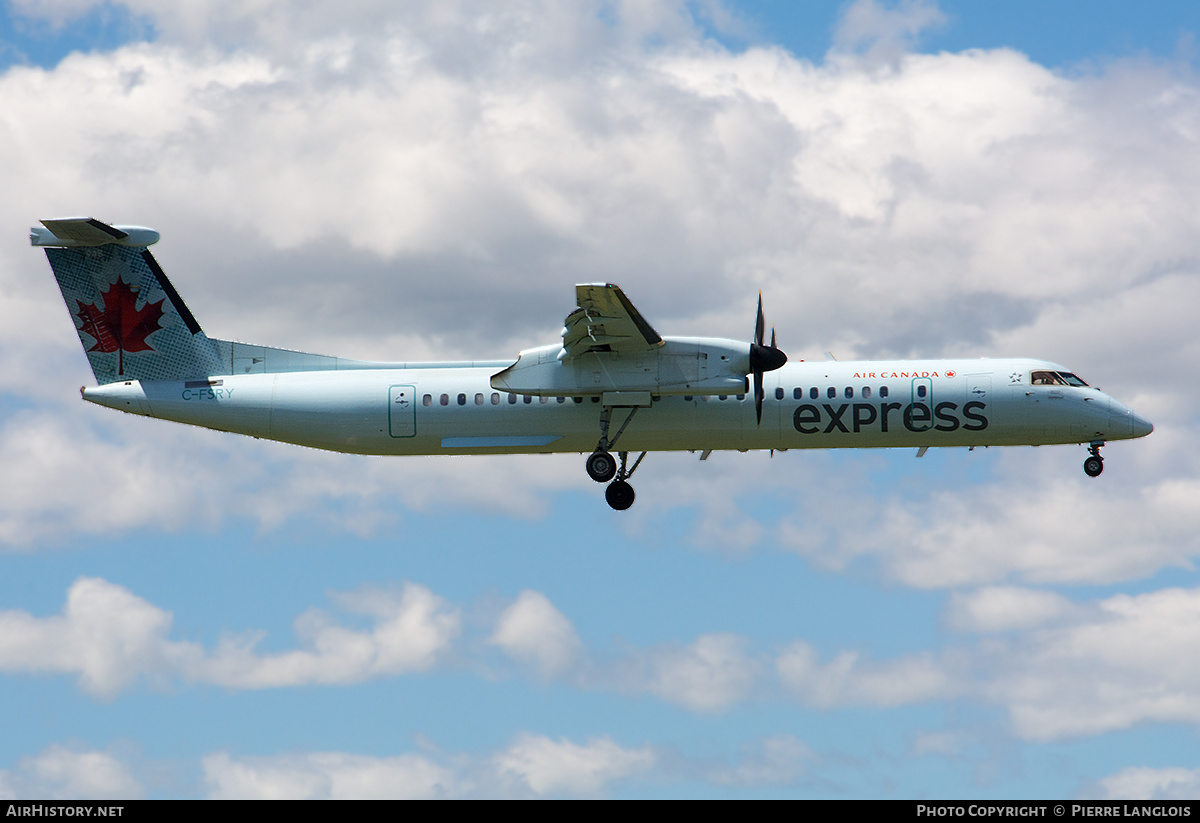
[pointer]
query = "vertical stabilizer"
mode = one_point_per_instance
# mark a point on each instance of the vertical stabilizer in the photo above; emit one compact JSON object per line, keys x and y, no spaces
{"x":131,"y":321}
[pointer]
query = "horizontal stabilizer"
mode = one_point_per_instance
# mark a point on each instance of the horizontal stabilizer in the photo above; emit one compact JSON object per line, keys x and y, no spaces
{"x":77,"y":232}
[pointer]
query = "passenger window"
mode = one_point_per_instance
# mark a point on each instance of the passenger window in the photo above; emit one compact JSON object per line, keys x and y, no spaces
{"x":849,"y":393}
{"x":479,"y":398}
{"x":797,"y":393}
{"x":427,"y":400}
{"x":688,"y":398}
{"x":722,"y":397}
{"x":921,"y":392}
{"x":741,"y":397}
{"x":832,"y":392}
{"x":778,"y":394}
{"x":527,"y":398}
{"x":495,"y":398}
{"x":866,"y":392}
{"x":445,"y":400}
{"x":883,"y":391}
{"x":543,"y":399}
{"x":814,"y":393}
{"x":512,"y":400}
{"x":462,"y":399}
{"x":577,"y":400}
{"x":560,"y":400}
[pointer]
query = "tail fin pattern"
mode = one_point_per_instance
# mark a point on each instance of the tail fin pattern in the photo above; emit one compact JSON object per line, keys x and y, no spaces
{"x":131,"y":321}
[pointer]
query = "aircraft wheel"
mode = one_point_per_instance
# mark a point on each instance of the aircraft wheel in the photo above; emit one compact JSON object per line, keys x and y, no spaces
{"x":619,"y":495}
{"x":601,"y":466}
{"x":1093,"y":466}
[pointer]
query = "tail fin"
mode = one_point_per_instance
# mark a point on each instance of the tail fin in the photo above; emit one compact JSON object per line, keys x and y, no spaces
{"x":131,"y":321}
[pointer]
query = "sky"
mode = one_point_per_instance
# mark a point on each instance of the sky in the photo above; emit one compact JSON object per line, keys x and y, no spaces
{"x":185,"y":613}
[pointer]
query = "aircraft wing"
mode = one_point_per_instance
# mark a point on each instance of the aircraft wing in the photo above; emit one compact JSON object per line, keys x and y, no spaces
{"x":606,"y":321}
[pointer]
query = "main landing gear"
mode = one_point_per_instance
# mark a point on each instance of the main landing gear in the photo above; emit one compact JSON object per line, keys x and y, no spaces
{"x":1095,"y":463}
{"x":601,"y":466}
{"x":619,"y":493}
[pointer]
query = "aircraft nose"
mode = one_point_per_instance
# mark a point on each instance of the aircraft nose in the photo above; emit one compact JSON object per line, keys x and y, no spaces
{"x":1141,"y":426}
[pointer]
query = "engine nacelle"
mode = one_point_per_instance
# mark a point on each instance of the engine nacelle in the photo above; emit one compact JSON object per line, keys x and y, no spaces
{"x":681,"y":366}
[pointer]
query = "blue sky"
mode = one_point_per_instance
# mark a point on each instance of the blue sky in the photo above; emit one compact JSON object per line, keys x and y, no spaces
{"x":190,"y":614}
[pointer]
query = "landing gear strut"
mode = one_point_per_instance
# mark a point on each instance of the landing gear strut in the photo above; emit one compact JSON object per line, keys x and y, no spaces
{"x":601,"y":467}
{"x":1095,"y":463}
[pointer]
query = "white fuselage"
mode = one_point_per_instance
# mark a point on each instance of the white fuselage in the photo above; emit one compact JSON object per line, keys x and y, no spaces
{"x":453,"y":409}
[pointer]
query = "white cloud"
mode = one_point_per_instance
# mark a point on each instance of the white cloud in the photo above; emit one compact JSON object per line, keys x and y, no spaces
{"x":106,"y":636}
{"x":882,"y":32}
{"x":1001,"y":608}
{"x":1039,"y":520}
{"x":848,"y":680}
{"x":533,"y":631}
{"x":88,"y":473}
{"x":1140,"y":783}
{"x":531,"y":766}
{"x":110,"y":638}
{"x":60,"y":773}
{"x":1059,"y":669}
{"x":550,"y":767}
{"x":1129,"y":664}
{"x":412,"y":629}
{"x":710,"y":674}
{"x":1070,"y":671}
{"x":326,"y":776}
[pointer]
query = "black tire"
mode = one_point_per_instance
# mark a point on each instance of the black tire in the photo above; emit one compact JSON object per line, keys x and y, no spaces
{"x":601,"y":466}
{"x":619,"y":495}
{"x":1093,"y":466}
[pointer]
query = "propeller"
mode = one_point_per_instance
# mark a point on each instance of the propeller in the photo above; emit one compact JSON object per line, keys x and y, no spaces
{"x":763,"y":358}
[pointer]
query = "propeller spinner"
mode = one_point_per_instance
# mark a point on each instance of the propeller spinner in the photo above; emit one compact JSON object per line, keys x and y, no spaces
{"x":763,"y":358}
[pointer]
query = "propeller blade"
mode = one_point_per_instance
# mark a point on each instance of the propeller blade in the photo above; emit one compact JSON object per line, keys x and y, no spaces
{"x":760,"y":323}
{"x":763,"y":358}
{"x":758,"y":395}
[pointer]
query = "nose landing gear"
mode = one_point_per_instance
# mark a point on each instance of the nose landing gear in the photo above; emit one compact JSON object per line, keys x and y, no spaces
{"x":1094,"y":464}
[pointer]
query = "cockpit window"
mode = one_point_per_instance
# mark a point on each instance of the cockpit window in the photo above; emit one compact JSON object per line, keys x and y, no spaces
{"x":1054,"y":378}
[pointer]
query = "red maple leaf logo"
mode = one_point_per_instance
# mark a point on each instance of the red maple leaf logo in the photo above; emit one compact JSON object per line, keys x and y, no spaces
{"x":949,"y":374}
{"x":120,"y":326}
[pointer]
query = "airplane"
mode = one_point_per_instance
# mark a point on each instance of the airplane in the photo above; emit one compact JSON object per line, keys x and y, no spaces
{"x":611,"y":387}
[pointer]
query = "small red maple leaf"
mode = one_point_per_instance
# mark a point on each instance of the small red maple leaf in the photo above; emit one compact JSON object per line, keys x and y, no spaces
{"x":949,"y":374}
{"x":120,"y":326}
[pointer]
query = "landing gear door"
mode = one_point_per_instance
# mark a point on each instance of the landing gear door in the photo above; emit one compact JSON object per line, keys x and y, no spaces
{"x":402,"y":411}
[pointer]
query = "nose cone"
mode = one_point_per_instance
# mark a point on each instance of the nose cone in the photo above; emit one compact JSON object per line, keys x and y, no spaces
{"x":1141,"y":426}
{"x":1124,"y":424}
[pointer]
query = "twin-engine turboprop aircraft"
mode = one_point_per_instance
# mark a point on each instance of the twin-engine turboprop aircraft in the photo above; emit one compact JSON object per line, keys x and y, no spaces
{"x":611,"y":380}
